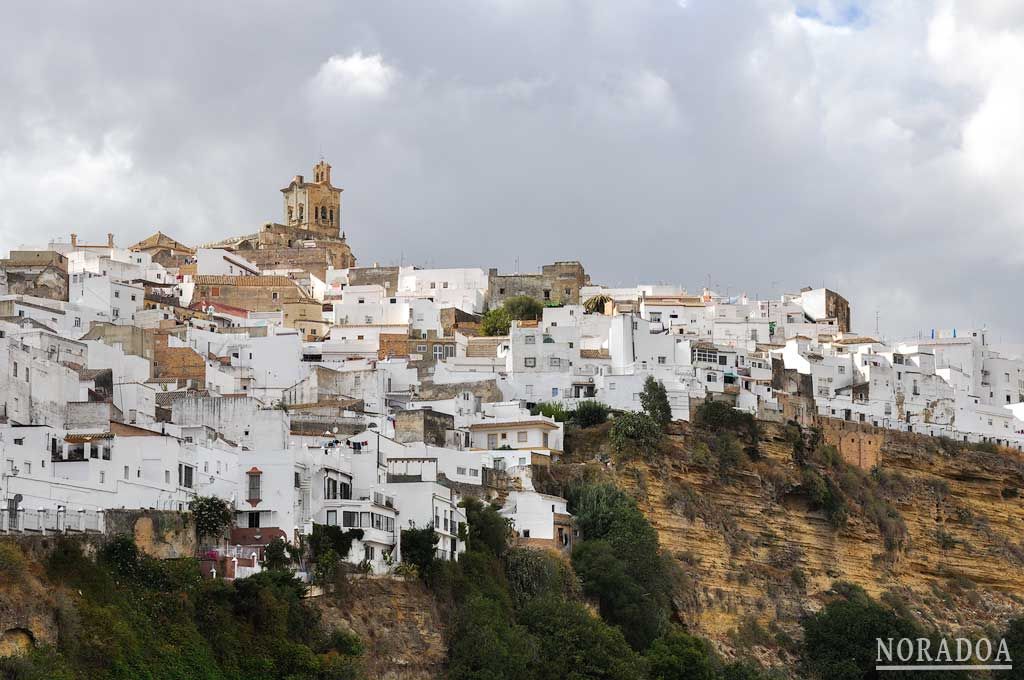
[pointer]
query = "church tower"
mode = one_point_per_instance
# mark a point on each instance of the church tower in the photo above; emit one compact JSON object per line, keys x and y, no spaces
{"x":314,"y":206}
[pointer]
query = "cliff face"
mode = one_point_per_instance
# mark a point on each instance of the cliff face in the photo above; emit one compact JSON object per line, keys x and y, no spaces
{"x":755,"y":556}
{"x":399,"y":624}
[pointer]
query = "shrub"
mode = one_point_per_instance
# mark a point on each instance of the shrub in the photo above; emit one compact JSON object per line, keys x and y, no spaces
{"x":590,"y":413}
{"x":486,"y":643}
{"x":551,"y":409}
{"x":654,"y":400}
{"x":12,"y":561}
{"x":635,"y":433}
{"x":729,"y":453}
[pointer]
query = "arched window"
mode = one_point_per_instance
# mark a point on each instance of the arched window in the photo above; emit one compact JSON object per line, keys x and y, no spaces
{"x":300,"y":213}
{"x":332,"y":215}
{"x":323,"y":213}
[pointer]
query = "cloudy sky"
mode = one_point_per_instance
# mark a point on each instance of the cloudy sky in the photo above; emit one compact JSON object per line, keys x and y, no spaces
{"x":876,"y":147}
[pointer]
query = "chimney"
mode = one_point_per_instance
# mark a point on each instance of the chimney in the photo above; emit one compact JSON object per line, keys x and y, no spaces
{"x":110,"y":240}
{"x":74,"y":240}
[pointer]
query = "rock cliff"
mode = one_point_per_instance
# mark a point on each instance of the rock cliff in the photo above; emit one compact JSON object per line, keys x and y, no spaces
{"x":754,"y":554}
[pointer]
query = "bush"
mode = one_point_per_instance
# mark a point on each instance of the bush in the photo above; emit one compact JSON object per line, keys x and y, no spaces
{"x":654,"y":400}
{"x":729,"y":453}
{"x":590,"y":413}
{"x":497,"y":321}
{"x":634,"y":433}
{"x":551,"y":409}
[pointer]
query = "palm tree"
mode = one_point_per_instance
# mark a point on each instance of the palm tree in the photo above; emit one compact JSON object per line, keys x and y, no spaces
{"x":596,"y":304}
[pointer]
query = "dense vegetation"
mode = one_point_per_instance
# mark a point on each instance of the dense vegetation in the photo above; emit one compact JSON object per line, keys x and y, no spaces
{"x":127,"y":616}
{"x":522,"y":613}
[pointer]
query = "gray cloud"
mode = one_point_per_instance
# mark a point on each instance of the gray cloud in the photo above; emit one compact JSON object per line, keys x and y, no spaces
{"x":653,"y":140}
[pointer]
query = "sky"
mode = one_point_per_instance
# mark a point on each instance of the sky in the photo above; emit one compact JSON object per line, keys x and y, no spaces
{"x":876,"y":148}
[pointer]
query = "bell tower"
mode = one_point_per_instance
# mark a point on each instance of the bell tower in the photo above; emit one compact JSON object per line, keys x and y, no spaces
{"x":314,"y":206}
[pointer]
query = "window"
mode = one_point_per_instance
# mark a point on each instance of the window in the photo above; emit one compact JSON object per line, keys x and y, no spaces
{"x":723,"y":360}
{"x":661,"y":360}
{"x":530,"y":340}
{"x":350,"y":519}
{"x":78,"y":322}
{"x":28,"y":467}
{"x":842,"y":370}
{"x":332,"y":518}
{"x":530,"y":362}
{"x":103,"y":477}
{"x":15,"y":369}
{"x":473,"y":472}
{"x":368,"y":552}
{"x":19,"y":441}
{"x":554,"y":391}
{"x":521,"y":436}
{"x":117,"y":293}
{"x":126,"y":473}
{"x":254,"y":520}
{"x":460,"y":470}
{"x":275,"y":295}
{"x":115,"y":312}
{"x":711,"y":377}
{"x":185,"y":475}
{"x":555,"y":362}
{"x":254,"y":486}
{"x":133,"y":298}
{"x":167,"y":476}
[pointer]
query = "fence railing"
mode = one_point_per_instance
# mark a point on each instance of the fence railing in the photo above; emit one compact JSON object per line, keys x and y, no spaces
{"x":46,"y":520}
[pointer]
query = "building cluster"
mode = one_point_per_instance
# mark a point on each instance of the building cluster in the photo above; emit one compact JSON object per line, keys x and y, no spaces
{"x":268,"y":369}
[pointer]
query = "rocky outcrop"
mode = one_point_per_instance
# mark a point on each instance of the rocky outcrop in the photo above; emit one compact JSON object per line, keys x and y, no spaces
{"x":754,"y":556}
{"x":398,"y":622}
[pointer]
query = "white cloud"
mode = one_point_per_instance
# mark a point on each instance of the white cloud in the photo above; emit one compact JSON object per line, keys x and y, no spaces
{"x":355,"y":76}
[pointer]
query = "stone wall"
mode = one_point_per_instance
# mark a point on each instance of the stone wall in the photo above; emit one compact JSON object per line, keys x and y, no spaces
{"x":163,"y":534}
{"x":558,"y":283}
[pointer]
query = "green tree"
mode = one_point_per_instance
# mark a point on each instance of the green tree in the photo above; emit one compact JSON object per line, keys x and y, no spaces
{"x":533,"y":573}
{"x":573,"y":643}
{"x":418,"y":547}
{"x":654,"y":400}
{"x":488,"y":645}
{"x":523,"y":308}
{"x":1014,"y":637}
{"x":495,"y":322}
{"x":277,"y":555}
{"x":676,"y":655}
{"x":841,"y":640}
{"x":488,"y":530}
{"x":212,"y":515}
{"x":633,"y":433}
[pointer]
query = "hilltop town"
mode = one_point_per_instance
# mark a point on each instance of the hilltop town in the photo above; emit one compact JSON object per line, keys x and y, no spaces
{"x":270,"y":370}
